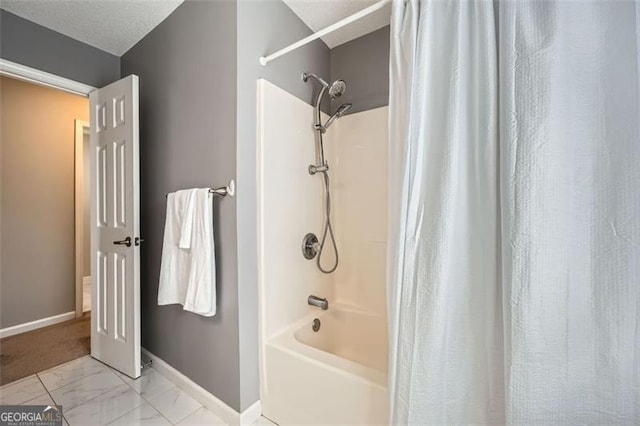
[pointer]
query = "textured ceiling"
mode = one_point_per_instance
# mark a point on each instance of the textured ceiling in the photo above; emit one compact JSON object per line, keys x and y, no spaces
{"x":111,"y":25}
{"x":116,"y":25}
{"x":318,"y":14}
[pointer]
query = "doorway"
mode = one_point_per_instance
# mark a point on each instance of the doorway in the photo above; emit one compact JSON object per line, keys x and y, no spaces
{"x":37,"y":223}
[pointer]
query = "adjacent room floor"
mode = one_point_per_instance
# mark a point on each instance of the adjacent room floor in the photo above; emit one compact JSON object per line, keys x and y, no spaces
{"x":93,"y":394}
{"x":28,"y":353}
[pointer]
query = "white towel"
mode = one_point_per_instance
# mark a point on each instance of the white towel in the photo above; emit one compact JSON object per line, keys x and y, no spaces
{"x":187,"y":272}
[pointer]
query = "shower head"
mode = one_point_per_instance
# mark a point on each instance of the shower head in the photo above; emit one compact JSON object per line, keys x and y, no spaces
{"x":337,"y":88}
{"x":342,"y":110}
{"x":339,"y":113}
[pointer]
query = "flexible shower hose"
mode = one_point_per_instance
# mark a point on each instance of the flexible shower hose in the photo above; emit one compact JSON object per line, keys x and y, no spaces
{"x":327,"y":228}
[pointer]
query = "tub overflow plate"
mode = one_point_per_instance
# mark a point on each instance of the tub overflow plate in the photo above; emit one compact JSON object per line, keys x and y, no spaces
{"x":316,"y":324}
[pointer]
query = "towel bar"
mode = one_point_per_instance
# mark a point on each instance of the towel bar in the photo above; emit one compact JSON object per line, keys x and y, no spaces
{"x":223,"y":191}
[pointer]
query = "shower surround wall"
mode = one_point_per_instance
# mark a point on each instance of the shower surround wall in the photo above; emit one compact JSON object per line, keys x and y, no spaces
{"x":359,"y":168}
{"x":346,"y":381}
{"x":290,"y":206}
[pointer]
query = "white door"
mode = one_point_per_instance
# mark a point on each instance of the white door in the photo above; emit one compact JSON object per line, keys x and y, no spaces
{"x":115,"y":226}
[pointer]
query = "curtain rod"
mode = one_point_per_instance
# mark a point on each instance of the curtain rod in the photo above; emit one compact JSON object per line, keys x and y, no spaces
{"x":264,"y":60}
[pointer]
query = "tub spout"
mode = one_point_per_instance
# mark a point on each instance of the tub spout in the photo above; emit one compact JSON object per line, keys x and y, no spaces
{"x":320,"y":303}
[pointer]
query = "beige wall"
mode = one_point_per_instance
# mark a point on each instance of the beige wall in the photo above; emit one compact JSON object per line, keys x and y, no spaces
{"x":37,"y":200}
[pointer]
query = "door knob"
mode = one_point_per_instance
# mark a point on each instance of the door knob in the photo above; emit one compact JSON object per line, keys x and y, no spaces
{"x":125,"y":242}
{"x":137,"y":241}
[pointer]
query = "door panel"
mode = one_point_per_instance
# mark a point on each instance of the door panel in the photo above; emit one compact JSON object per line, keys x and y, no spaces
{"x":115,"y":220}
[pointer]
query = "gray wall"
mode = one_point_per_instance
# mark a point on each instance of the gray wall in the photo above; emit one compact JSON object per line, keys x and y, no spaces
{"x":263,"y":28}
{"x":33,"y":45}
{"x":187,"y":69}
{"x":364,"y":64}
{"x":37,"y":190}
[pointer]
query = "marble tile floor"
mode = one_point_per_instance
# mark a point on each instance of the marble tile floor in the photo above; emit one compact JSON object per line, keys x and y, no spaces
{"x":93,"y":394}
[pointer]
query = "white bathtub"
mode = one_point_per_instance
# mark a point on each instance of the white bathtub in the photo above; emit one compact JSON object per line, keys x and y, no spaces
{"x":337,"y":375}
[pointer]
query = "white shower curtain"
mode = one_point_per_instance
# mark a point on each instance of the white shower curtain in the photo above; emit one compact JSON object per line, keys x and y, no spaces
{"x":514,"y":234}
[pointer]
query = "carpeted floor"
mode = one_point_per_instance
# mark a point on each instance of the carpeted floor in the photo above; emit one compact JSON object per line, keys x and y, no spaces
{"x":28,"y":353}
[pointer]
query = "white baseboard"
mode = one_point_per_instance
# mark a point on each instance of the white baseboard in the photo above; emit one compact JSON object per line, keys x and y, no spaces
{"x":34,"y":325}
{"x":86,"y":280}
{"x":251,"y":414}
{"x":197,"y":392}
